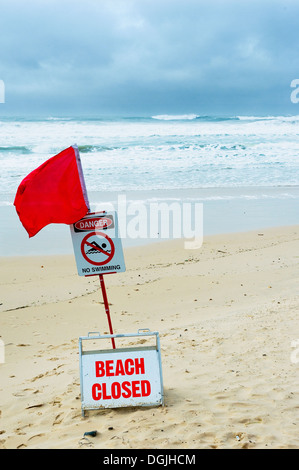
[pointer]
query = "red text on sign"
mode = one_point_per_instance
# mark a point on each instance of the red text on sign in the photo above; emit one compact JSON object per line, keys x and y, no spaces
{"x":135,"y":389}
{"x":119,"y":367}
{"x":93,"y":223}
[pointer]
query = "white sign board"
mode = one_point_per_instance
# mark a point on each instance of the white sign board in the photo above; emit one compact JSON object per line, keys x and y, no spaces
{"x":121,"y":377}
{"x":97,"y":246}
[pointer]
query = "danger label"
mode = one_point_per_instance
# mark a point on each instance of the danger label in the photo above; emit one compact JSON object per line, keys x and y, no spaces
{"x":94,"y":223}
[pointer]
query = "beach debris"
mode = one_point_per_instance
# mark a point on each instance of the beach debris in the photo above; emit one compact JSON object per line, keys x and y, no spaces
{"x":37,"y":405}
{"x":90,"y":433}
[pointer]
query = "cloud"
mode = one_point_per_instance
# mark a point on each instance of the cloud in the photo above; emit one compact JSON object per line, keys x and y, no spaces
{"x":148,"y":56}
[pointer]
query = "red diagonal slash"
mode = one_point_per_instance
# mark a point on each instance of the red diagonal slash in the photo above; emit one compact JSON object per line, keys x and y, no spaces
{"x":108,"y":255}
{"x":97,"y":248}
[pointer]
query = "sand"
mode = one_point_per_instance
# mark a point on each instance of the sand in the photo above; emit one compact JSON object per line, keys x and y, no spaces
{"x":227,"y":316}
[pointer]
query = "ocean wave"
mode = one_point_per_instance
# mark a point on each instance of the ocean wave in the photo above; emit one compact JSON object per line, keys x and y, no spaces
{"x":269,"y":118}
{"x":50,"y":118}
{"x":192,"y":117}
{"x":175,"y":117}
{"x":15,"y":149}
{"x":94,"y":148}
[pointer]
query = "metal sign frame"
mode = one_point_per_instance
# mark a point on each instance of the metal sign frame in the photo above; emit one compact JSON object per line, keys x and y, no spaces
{"x":151,"y":351}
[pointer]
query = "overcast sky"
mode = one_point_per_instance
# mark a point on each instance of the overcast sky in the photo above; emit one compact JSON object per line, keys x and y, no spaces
{"x":143,"y":57}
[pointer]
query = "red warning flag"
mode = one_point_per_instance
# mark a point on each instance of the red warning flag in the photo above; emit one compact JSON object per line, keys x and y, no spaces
{"x":52,"y":193}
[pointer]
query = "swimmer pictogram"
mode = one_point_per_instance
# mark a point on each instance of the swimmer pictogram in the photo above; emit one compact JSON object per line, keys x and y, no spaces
{"x":97,"y":248}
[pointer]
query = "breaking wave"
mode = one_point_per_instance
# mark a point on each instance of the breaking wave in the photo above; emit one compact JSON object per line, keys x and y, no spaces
{"x":15,"y":149}
{"x":175,"y":117}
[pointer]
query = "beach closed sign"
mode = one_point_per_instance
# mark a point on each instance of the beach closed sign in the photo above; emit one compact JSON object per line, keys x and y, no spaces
{"x":97,"y":246}
{"x":120,"y":377}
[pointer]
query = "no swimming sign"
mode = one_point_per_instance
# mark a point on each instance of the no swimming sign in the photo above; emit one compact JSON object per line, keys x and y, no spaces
{"x":97,"y":246}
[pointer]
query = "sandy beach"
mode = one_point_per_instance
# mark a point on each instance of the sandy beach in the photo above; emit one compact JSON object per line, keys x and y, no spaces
{"x":227,"y":315}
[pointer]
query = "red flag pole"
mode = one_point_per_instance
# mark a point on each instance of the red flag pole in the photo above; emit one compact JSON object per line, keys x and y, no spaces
{"x":84,"y":190}
{"x":107,"y":307}
{"x":81,"y":175}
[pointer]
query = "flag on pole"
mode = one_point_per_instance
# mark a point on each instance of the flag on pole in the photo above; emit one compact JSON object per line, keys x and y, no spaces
{"x":52,"y":193}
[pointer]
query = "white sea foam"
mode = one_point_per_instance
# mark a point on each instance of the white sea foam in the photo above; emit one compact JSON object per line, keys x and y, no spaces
{"x":269,"y":118}
{"x":6,"y":203}
{"x":175,"y":117}
{"x":141,"y":154}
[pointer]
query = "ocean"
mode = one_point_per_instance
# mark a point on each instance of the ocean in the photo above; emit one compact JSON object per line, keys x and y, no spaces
{"x":244,"y":170}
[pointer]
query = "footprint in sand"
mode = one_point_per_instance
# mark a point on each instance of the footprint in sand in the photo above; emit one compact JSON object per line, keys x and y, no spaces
{"x":58,"y":419}
{"x":36,"y":436}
